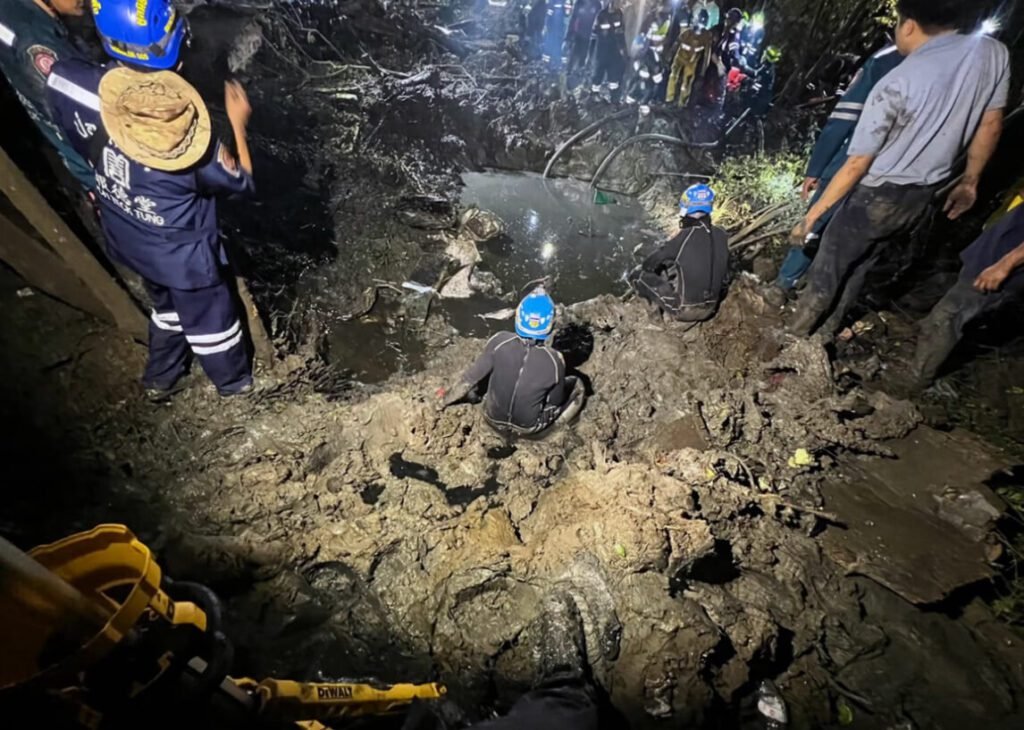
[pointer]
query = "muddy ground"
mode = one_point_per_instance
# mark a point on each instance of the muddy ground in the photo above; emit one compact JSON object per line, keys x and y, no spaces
{"x":695,"y":510}
{"x":370,"y":534}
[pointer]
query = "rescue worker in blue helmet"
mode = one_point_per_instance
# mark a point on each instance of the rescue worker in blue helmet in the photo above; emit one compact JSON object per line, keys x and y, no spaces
{"x":147,"y":134}
{"x":685,"y":278}
{"x":527,"y":390}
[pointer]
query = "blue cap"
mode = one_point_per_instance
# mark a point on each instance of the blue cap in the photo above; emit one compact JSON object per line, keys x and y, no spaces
{"x":535,"y":316}
{"x":697,"y":199}
{"x":146,"y":33}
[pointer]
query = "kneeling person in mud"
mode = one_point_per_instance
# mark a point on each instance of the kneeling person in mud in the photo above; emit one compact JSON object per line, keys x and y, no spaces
{"x":685,"y":278}
{"x":527,"y":390}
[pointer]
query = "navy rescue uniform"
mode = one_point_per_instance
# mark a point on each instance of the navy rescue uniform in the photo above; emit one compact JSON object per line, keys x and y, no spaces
{"x":162,"y":225}
{"x":31,"y":42}
{"x":609,"y":51}
{"x":527,"y":389}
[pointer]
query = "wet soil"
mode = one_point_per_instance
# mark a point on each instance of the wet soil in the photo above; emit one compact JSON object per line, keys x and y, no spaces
{"x":356,"y":530}
{"x":369,"y":534}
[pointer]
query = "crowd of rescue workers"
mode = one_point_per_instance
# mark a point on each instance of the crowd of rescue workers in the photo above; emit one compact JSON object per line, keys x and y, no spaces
{"x":137,"y":140}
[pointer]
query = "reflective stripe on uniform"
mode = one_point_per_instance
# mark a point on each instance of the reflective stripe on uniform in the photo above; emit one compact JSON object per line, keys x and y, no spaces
{"x":162,"y":321}
{"x":7,"y":35}
{"x":851,"y":105}
{"x":645,"y":74}
{"x":845,"y":116}
{"x":613,"y":86}
{"x":605,"y":26}
{"x":215,"y":337}
{"x":74,"y":91}
{"x":222,"y":347}
{"x":657,"y":78}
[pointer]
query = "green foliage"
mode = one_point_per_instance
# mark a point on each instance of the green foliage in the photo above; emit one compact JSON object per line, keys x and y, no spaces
{"x":1009,"y":607}
{"x":745,"y":185}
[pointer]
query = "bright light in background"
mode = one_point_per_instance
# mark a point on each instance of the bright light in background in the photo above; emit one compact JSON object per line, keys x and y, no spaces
{"x":547,"y":251}
{"x":990,"y":26}
{"x":757,"y":22}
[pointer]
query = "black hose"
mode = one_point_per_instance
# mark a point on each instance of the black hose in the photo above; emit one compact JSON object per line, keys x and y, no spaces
{"x":586,"y":131}
{"x":610,"y":157}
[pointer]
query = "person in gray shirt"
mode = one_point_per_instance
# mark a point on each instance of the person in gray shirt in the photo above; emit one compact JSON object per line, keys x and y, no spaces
{"x":948,"y":94}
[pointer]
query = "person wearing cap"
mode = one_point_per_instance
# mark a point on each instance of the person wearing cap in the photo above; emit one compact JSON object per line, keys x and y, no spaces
{"x":32,"y":39}
{"x":527,"y":388}
{"x":147,"y":134}
{"x":685,"y":278}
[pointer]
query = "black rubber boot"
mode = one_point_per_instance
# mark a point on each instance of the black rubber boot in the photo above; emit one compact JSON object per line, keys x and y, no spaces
{"x":560,"y":650}
{"x":808,"y":313}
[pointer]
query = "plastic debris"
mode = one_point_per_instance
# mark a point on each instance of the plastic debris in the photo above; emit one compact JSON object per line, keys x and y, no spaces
{"x":844,"y":714}
{"x":419,"y":288}
{"x":500,"y":314}
{"x":771,"y":705}
{"x":801,"y":457}
{"x":620,"y":550}
{"x":25,"y":292}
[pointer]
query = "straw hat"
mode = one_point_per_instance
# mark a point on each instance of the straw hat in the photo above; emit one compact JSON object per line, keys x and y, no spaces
{"x":157,"y":118}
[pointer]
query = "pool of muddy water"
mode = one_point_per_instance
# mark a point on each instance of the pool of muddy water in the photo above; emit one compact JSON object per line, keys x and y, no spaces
{"x":553,"y":229}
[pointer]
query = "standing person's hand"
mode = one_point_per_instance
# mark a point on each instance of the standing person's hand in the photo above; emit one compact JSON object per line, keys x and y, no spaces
{"x":810,"y":185}
{"x":992,"y":278}
{"x":961,"y":199}
{"x":236,"y":103}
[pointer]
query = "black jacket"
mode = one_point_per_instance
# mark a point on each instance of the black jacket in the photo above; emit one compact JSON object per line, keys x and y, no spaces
{"x":695,"y":263}
{"x":527,"y":381}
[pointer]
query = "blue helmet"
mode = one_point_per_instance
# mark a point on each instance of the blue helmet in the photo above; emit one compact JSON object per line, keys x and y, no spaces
{"x":535,"y":316}
{"x":697,"y":199}
{"x":146,"y":33}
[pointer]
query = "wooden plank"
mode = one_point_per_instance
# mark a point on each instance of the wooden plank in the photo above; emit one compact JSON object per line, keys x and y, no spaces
{"x":263,"y":348}
{"x":42,"y":269}
{"x":79,"y":259}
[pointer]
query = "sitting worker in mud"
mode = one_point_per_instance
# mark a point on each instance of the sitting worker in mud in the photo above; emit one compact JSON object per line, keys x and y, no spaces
{"x":528,"y":391}
{"x":685,"y":278}
{"x":147,"y":134}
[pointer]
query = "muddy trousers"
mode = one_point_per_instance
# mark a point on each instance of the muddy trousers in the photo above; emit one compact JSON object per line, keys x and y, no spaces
{"x":553,"y":413}
{"x":798,"y":259}
{"x":942,"y":329}
{"x":554,"y":705}
{"x":681,"y":77}
{"x":553,"y":49}
{"x":662,"y":294}
{"x":609,"y":68}
{"x":200,"y":322}
{"x":866,"y":224}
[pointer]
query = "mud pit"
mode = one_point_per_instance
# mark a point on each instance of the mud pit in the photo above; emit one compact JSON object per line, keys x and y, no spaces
{"x":378,"y":536}
{"x":355,"y":530}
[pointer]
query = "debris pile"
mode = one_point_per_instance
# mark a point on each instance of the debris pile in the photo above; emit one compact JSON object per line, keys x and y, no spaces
{"x":684,"y":511}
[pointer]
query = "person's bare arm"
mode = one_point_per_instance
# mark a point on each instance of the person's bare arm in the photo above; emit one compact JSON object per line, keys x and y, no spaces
{"x":992,"y":278}
{"x":963,"y":197}
{"x":851,"y":173}
{"x":236,"y":103}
